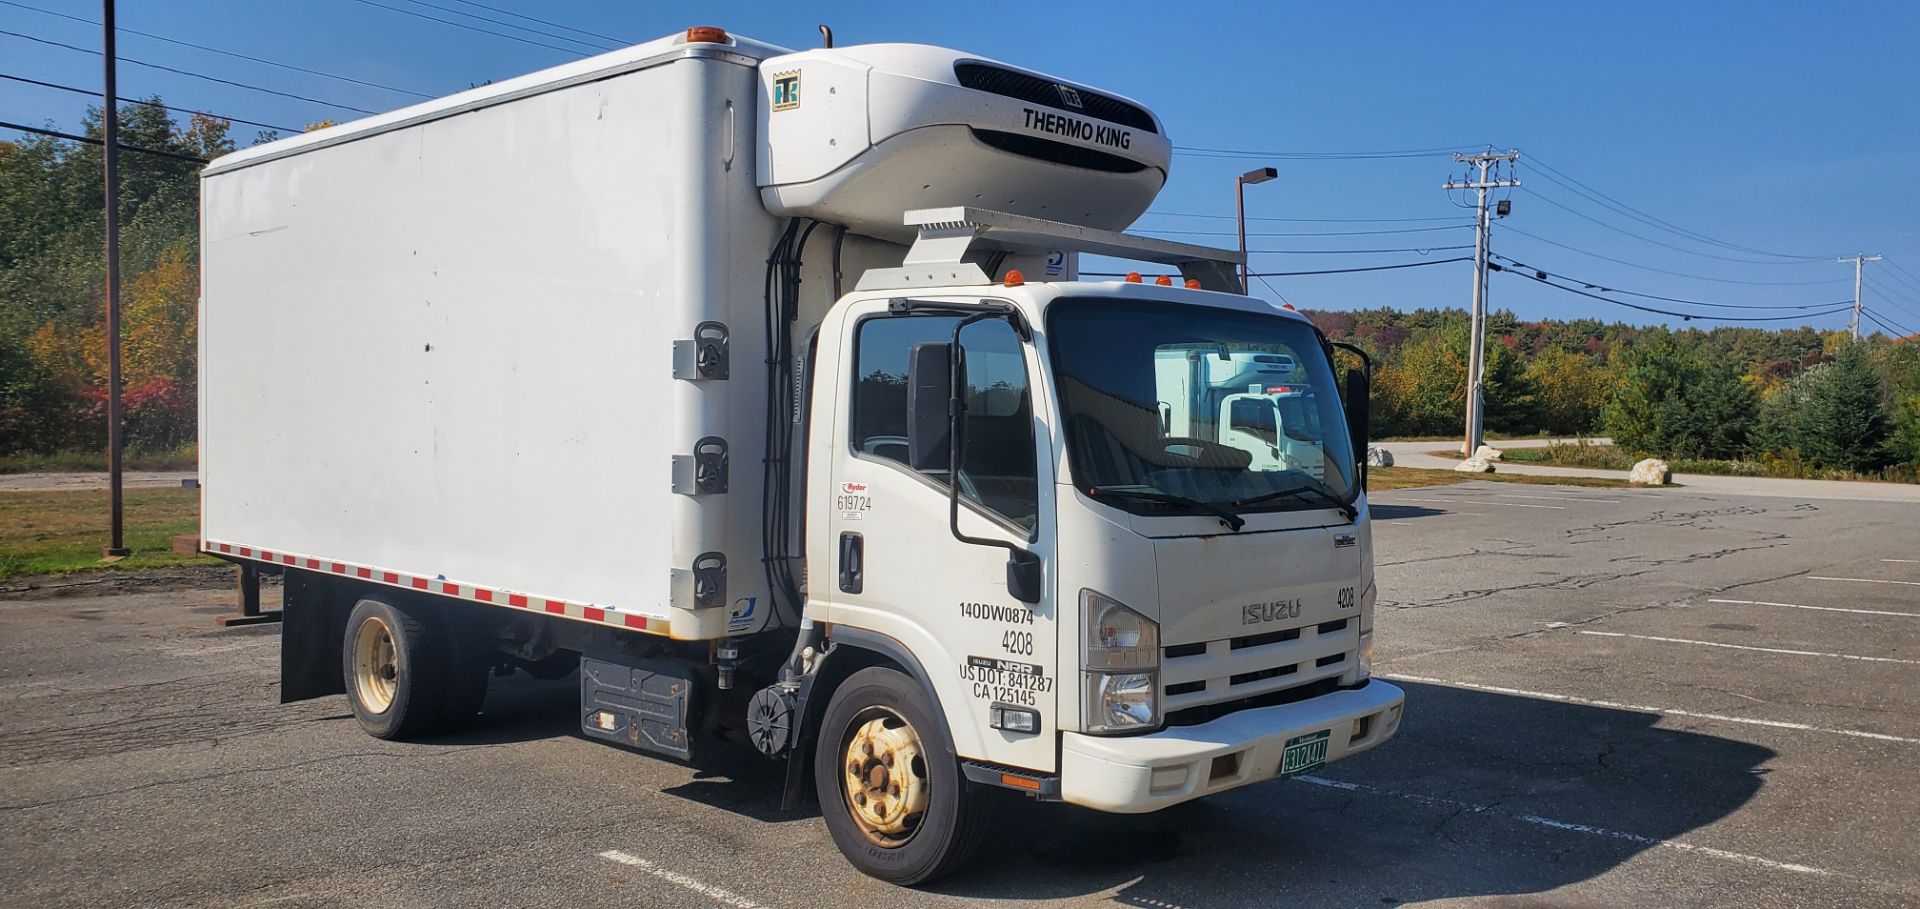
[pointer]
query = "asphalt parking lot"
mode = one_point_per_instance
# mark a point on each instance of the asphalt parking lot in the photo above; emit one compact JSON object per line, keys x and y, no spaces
{"x":1615,"y":698}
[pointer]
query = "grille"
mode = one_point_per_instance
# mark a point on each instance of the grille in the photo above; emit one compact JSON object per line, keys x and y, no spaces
{"x":1033,"y":89}
{"x":1239,"y":672}
{"x":1057,"y":152}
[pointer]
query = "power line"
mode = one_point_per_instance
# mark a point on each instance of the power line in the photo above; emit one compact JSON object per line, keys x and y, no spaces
{"x":1561,"y":177}
{"x":1688,"y":316}
{"x":1348,"y":271}
{"x":1348,"y":252}
{"x":544,"y":34}
{"x":1678,"y":274}
{"x":1516,"y":264}
{"x":1660,"y":243}
{"x":235,"y":54}
{"x":473,"y":28}
{"x":1896,"y":329}
{"x":579,"y":31}
{"x":1294,"y":274}
{"x":1896,"y":278}
{"x":1896,"y":267}
{"x":1329,"y":233}
{"x":183,"y":72}
{"x":165,"y":107}
{"x":70,"y":137}
{"x":1313,"y":155}
{"x":1890,"y":296}
{"x":1179,"y":214}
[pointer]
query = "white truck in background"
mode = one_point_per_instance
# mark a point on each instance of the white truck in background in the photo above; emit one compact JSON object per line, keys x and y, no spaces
{"x":756,"y":387}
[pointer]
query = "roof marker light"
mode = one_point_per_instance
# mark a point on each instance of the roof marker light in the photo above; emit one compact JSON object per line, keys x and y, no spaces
{"x":1015,"y":278}
{"x":1163,"y":281}
{"x":707,"y":34}
{"x":1193,"y":283}
{"x":1133,"y":277}
{"x":1288,"y":306}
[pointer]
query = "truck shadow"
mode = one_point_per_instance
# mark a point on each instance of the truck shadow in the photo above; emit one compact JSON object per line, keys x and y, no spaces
{"x":1403,"y":512}
{"x":1473,"y":798}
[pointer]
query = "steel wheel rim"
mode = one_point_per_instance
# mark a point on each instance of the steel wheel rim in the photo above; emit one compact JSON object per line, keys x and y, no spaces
{"x":376,"y":664}
{"x":883,"y":775}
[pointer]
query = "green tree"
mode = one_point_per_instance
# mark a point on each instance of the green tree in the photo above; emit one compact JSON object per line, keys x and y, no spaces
{"x":1672,"y":401}
{"x":1844,"y":425}
{"x":1571,"y":390}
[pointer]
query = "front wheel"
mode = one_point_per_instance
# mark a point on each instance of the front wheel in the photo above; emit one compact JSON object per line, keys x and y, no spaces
{"x":890,"y":789}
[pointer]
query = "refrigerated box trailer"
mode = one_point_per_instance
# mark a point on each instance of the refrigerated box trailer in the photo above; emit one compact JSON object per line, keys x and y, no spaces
{"x":757,"y":387}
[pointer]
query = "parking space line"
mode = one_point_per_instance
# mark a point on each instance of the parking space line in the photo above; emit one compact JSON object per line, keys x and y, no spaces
{"x":719,"y":895}
{"x":1903,"y":561}
{"x":1815,"y":577}
{"x":1667,"y":711}
{"x":1589,"y":829}
{"x":1911,"y":615}
{"x":1837,"y":656}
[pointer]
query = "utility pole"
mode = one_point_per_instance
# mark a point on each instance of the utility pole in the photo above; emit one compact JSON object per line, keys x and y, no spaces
{"x":1477,"y":343}
{"x":110,"y":149}
{"x":1857,"y":261}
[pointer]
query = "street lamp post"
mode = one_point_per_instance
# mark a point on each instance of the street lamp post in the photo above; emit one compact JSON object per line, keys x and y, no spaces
{"x":1240,"y":183}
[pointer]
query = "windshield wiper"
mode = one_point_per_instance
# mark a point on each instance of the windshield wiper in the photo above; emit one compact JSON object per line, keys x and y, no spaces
{"x":1226,"y":515}
{"x":1308,"y":493}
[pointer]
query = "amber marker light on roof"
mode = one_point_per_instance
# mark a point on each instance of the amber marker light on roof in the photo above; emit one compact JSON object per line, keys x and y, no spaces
{"x":1133,"y":277}
{"x":706,"y":34}
{"x":1015,"y":278}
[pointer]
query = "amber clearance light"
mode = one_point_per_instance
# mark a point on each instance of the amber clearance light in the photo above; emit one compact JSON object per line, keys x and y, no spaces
{"x":707,"y":34}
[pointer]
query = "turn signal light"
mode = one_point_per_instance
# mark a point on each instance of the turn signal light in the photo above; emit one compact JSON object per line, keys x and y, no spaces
{"x":706,"y":34}
{"x":1193,"y":283}
{"x":1163,"y":281}
{"x":1133,"y":277}
{"x":1015,"y":278}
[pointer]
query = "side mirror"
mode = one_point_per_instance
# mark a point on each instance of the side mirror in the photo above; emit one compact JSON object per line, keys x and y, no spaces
{"x":929,"y":392}
{"x":1023,"y":575}
{"x":1359,"y":405}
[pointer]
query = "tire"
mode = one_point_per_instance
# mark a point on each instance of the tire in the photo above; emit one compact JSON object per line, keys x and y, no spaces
{"x":874,"y":716}
{"x":396,"y":665}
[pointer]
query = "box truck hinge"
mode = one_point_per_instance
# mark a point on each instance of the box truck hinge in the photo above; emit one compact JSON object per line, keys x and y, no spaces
{"x":706,"y":356}
{"x":704,"y":472}
{"x":709,"y":580}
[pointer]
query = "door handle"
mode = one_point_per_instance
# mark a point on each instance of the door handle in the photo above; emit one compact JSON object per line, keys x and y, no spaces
{"x":852,"y":561}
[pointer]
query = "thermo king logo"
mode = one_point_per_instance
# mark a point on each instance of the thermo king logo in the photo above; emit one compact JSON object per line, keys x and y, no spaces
{"x":786,"y":90}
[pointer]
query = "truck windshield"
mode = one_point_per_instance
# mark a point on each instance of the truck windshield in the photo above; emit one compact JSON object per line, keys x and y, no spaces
{"x":1215,"y":407}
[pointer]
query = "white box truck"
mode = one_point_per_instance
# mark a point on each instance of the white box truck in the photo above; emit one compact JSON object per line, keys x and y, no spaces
{"x":757,"y":388}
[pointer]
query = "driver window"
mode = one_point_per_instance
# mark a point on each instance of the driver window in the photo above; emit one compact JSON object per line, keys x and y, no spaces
{"x":998,"y":470}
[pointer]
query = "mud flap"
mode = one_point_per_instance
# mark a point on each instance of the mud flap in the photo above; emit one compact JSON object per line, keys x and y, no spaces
{"x":312,"y":633}
{"x":645,"y":705}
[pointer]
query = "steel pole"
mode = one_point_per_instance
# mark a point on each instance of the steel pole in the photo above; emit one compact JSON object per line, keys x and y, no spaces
{"x":110,"y":147}
{"x":1240,"y":217}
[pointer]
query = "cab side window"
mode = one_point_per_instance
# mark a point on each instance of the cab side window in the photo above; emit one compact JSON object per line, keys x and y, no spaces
{"x":998,"y":469}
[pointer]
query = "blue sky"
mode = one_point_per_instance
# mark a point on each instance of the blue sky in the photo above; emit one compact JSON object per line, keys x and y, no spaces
{"x":1780,"y":127}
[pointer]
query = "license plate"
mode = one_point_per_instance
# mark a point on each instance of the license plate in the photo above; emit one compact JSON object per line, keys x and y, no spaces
{"x":1305,"y":753}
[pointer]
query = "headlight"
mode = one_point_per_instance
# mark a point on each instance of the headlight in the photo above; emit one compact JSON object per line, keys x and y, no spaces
{"x":1122,"y":701}
{"x":1120,"y":650}
{"x":1117,"y":637}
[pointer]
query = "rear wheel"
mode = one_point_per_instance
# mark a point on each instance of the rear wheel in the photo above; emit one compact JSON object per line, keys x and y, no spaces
{"x":396,"y":666}
{"x":890,"y":789}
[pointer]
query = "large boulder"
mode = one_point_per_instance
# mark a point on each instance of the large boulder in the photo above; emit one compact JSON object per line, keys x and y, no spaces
{"x":1474,"y":465}
{"x":1651,"y":472}
{"x":1379,"y":457}
{"x":1488,"y":452}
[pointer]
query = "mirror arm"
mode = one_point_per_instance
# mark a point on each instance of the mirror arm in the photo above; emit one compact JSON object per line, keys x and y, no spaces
{"x":1022,"y":579}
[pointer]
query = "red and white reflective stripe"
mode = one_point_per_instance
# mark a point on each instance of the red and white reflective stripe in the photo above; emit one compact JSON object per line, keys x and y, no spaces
{"x":444,"y":587}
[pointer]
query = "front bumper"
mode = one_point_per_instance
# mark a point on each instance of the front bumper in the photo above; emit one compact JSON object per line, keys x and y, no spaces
{"x":1137,"y":774}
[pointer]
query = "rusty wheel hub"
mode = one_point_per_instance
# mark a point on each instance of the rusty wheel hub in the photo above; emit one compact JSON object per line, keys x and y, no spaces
{"x":885,"y":778}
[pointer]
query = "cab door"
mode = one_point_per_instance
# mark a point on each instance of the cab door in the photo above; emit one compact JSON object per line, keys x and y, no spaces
{"x":896,"y":566}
